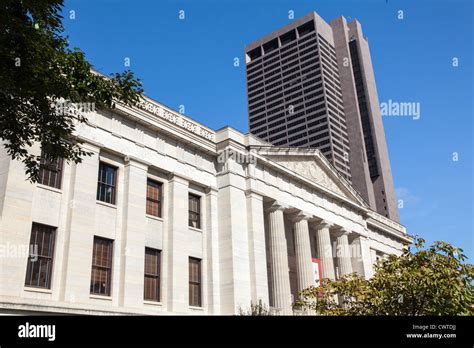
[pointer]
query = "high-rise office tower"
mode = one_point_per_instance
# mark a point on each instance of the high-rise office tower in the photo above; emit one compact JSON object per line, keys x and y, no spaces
{"x":311,"y":84}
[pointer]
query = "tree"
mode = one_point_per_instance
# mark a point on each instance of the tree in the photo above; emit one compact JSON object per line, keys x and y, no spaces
{"x":256,"y":309}
{"x":39,"y":75}
{"x":431,"y":281}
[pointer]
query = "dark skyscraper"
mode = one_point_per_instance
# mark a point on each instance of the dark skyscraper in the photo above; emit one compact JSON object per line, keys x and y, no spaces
{"x":311,"y":84}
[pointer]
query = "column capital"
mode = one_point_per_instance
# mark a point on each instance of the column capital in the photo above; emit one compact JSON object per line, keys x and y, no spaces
{"x":174,"y":177}
{"x":275,"y":206}
{"x":253,"y":194}
{"x":211,"y":190}
{"x":341,"y":231}
{"x":324,"y":224}
{"x":299,"y":216}
{"x":361,"y":236}
{"x":136,"y":162}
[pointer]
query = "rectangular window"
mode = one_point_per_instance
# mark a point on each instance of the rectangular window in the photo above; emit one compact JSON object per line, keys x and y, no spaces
{"x":101,"y":266}
{"x":194,"y":282}
{"x":51,"y":171}
{"x":106,"y":183}
{"x":194,"y":211}
{"x":40,"y":262}
{"x":153,"y":198}
{"x":152,"y":274}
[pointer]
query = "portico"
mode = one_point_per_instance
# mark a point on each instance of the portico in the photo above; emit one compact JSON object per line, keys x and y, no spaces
{"x":305,"y":226}
{"x":310,"y":214}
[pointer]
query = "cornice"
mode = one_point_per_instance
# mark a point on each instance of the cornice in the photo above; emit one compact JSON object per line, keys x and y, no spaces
{"x":166,"y":127}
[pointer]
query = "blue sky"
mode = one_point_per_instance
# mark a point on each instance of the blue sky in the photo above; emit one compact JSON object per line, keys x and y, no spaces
{"x":190,"y":62}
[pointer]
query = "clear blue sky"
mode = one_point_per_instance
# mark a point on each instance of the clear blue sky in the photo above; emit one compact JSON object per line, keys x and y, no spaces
{"x":190,"y":62}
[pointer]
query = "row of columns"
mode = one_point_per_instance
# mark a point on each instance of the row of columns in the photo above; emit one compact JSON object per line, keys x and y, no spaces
{"x":278,"y":255}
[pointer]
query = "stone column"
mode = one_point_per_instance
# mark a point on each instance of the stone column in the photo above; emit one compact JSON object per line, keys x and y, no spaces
{"x":324,"y":250}
{"x":212,"y":251}
{"x":304,"y":267}
{"x":280,"y":278}
{"x":373,"y":256}
{"x":234,"y":258}
{"x":343,"y":253}
{"x":133,"y":235}
{"x":81,"y":224}
{"x":257,"y":252}
{"x":175,"y":253}
{"x":362,"y":260}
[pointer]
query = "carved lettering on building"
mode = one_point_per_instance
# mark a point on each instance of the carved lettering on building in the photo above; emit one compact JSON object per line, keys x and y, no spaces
{"x":176,"y":119}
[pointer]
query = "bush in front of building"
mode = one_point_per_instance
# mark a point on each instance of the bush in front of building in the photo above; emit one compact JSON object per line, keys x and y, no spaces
{"x":421,"y":281}
{"x":256,"y":309}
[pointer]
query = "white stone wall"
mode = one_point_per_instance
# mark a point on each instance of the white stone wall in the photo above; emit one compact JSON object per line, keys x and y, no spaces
{"x":232,"y":241}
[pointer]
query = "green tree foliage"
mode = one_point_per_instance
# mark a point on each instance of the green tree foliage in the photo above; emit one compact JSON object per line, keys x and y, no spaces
{"x":38,"y":70}
{"x":421,"y":281}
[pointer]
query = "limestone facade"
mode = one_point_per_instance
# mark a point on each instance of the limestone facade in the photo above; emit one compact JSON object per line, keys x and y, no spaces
{"x":265,"y":213}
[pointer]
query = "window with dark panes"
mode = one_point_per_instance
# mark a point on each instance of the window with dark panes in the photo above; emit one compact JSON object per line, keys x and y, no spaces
{"x":194,"y":282}
{"x":152,"y":274}
{"x":106,"y":188}
{"x":194,"y":211}
{"x":40,"y":261}
{"x":101,"y":274}
{"x":51,"y":171}
{"x":153,"y":198}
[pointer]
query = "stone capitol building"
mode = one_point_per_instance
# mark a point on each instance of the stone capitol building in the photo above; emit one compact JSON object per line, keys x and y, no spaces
{"x":168,"y":216}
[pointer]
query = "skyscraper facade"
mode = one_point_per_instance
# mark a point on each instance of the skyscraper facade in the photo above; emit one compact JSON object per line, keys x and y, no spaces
{"x":311,"y":84}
